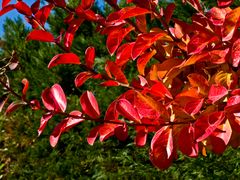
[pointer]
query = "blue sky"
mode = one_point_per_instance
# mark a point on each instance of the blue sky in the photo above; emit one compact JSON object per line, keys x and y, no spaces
{"x":13,"y":14}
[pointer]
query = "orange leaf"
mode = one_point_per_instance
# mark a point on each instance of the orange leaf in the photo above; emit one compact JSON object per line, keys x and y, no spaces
{"x":143,"y":60}
{"x":230,"y":24}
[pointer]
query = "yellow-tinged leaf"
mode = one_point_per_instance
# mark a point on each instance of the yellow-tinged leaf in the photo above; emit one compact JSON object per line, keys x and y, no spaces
{"x":230,"y":24}
{"x":166,"y":66}
{"x":222,"y":78}
{"x":153,"y":76}
{"x":195,"y":58}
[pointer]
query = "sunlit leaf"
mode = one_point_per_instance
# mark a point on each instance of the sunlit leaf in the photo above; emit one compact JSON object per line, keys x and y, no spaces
{"x":82,"y":77}
{"x":126,"y":109}
{"x":162,"y":150}
{"x":66,"y":58}
{"x":217,"y":92}
{"x":23,"y":8}
{"x":230,"y":24}
{"x":89,"y":105}
{"x":206,"y":124}
{"x":236,"y":53}
{"x":54,"y":98}
{"x":40,"y":35}
{"x":90,"y":57}
{"x":186,"y":141}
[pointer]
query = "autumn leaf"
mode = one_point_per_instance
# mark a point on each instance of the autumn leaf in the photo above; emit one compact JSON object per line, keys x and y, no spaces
{"x":125,"y":108}
{"x":66,"y":58}
{"x":89,"y":105}
{"x":217,"y":92}
{"x":54,"y":98}
{"x":40,"y":35}
{"x":162,"y":150}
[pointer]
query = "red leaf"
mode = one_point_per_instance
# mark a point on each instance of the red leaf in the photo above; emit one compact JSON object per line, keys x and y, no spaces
{"x":200,"y":82}
{"x":82,"y":77}
{"x":35,"y":6}
{"x":191,"y":105}
{"x":199,"y":41}
{"x":44,"y":120}
{"x":143,"y":60}
{"x":115,"y":38}
{"x":217,"y":15}
{"x":23,"y":8}
{"x":87,"y":4}
{"x":14,"y":106}
{"x":194,"y":107}
{"x":159,"y":89}
{"x":110,"y":83}
{"x":126,"y":109}
{"x":3,"y":100}
{"x":233,"y":104}
{"x":7,"y":9}
{"x":54,"y":98}
{"x":205,"y":125}
{"x":25,"y":88}
{"x":74,"y":119}
{"x":60,"y":3}
{"x":121,"y":132}
{"x":168,"y":12}
{"x":35,"y":104}
{"x":144,"y":41}
{"x":220,"y":138}
{"x":5,"y":3}
{"x":117,"y":72}
{"x":141,"y":23}
{"x":66,"y":58}
{"x":54,"y":137}
{"x":91,"y":15}
{"x":230,"y":24}
{"x":89,"y":105}
{"x":224,"y":3}
{"x":129,"y":12}
{"x":105,"y":131}
{"x":195,"y":58}
{"x":217,"y":92}
{"x":162,"y":150}
{"x":93,"y":135}
{"x":218,"y":56}
{"x":186,"y":142}
{"x":124,"y":54}
{"x":111,"y":113}
{"x":236,"y":53}
{"x":65,"y":125}
{"x":68,"y":39}
{"x":141,"y":137}
{"x":40,"y":35}
{"x":89,"y":57}
{"x":43,"y":13}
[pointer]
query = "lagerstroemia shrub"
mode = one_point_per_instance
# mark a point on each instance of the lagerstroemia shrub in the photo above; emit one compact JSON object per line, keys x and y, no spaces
{"x":186,"y":92}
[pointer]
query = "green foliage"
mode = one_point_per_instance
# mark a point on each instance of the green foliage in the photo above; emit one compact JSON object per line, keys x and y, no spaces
{"x":23,"y":156}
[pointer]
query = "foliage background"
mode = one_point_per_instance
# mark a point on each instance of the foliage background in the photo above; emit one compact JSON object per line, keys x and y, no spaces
{"x":23,"y":155}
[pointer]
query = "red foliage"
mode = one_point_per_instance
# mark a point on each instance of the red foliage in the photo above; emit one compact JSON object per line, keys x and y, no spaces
{"x":189,"y":96}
